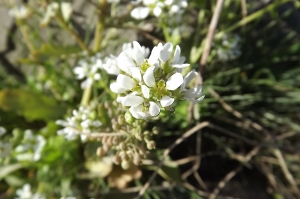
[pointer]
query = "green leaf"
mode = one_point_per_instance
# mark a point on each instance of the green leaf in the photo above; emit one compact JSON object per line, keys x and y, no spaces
{"x":48,"y":51}
{"x":31,"y":105}
{"x":7,"y":169}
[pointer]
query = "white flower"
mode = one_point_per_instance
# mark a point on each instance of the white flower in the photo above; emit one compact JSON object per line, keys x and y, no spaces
{"x":25,"y":193}
{"x":230,"y":48}
{"x":88,"y":71}
{"x":111,"y":65}
{"x":31,"y":147}
{"x":81,"y":123}
{"x":19,"y":12}
{"x":53,"y":8}
{"x":191,"y":94}
{"x":175,"y":9}
{"x":151,"y":84}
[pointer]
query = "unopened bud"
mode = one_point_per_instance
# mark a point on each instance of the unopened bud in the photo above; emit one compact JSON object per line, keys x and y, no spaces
{"x":128,"y":118}
{"x":115,"y":140}
{"x":106,"y":147}
{"x":155,"y":130}
{"x":139,"y":136}
{"x":151,"y":145}
{"x":125,"y":164}
{"x":100,"y":151}
{"x":121,"y":120}
{"x":122,"y":146}
{"x":117,"y":160}
{"x":110,"y":140}
{"x":137,"y":159}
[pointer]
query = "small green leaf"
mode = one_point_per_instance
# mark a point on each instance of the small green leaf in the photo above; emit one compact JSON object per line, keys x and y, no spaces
{"x":48,"y":51}
{"x":31,"y":105}
{"x":7,"y":169}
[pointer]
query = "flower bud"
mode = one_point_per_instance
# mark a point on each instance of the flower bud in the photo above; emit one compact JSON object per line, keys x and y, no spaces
{"x":151,"y":145}
{"x":115,"y":140}
{"x":106,"y":147}
{"x":100,"y":151}
{"x":128,"y":118}
{"x":121,"y":120}
{"x":125,"y":164}
{"x":139,"y":136}
{"x":137,"y":159}
{"x":117,"y":160}
{"x":122,"y":146}
{"x":155,"y":130}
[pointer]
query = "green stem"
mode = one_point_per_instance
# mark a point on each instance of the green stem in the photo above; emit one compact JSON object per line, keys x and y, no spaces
{"x":26,"y":38}
{"x":166,"y":33}
{"x":100,"y":26}
{"x":79,"y":41}
{"x":86,"y":96}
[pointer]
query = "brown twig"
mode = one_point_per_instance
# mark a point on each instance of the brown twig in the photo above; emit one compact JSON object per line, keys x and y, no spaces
{"x":210,"y":33}
{"x":244,"y":8}
{"x":167,"y":151}
{"x":223,"y":182}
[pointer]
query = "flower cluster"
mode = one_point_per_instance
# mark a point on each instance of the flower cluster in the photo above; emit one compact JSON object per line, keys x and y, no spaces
{"x":173,"y":8}
{"x":148,"y":85}
{"x":88,"y":69}
{"x":31,"y":147}
{"x":230,"y":48}
{"x":25,"y":193}
{"x":81,"y":123}
{"x":19,"y":12}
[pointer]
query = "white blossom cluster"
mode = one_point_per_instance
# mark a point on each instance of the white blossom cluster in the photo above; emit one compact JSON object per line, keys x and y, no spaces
{"x":19,"y":12}
{"x":31,"y":147}
{"x":148,"y":85}
{"x":172,"y":8}
{"x":5,"y":147}
{"x":25,"y":193}
{"x":89,"y":69}
{"x":230,"y":48}
{"x":81,"y":123}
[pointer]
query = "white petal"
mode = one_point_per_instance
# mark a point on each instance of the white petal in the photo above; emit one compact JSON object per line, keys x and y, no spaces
{"x":174,"y":81}
{"x":136,"y":111}
{"x":154,"y":109}
{"x":193,"y":92}
{"x":138,"y":55}
{"x":145,"y":91}
{"x":140,"y":12}
{"x":132,"y":100}
{"x":197,"y":100}
{"x":135,"y":73}
{"x":166,"y":52}
{"x":176,"y":56}
{"x":157,"y":11}
{"x":149,"y":77}
{"x":124,"y":62}
{"x":166,"y":101}
{"x":188,"y":78}
{"x":180,"y":65}
{"x":181,"y":60}
{"x":125,"y":82}
{"x":120,"y":99}
{"x":154,"y":55}
{"x":114,"y":87}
